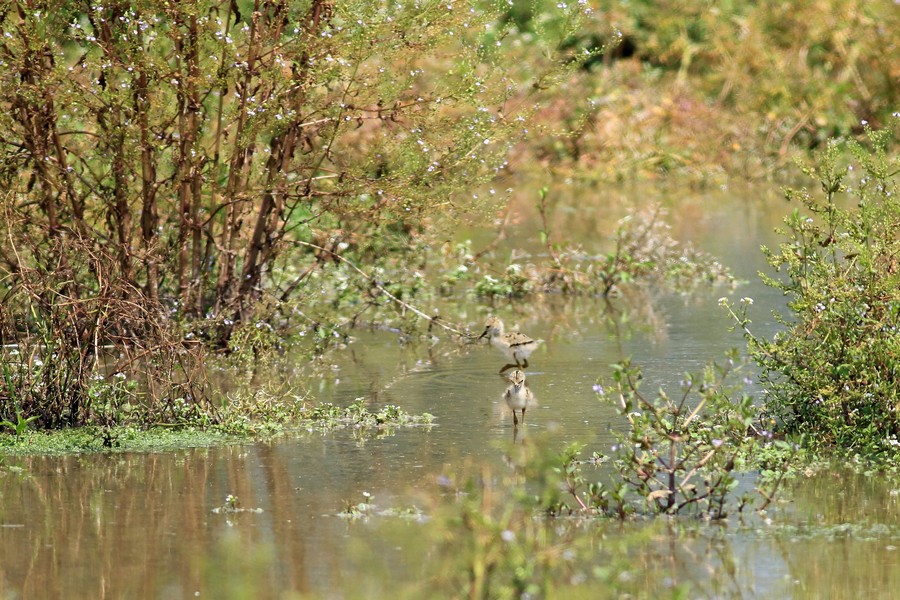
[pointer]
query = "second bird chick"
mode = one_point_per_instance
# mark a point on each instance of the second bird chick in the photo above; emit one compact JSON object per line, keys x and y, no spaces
{"x":518,"y":396}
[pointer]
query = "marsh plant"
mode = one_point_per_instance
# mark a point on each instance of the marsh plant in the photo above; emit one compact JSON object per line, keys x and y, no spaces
{"x":488,"y":538}
{"x":20,"y":425}
{"x":645,"y":249}
{"x":233,"y":506}
{"x":366,"y":508}
{"x":71,"y":368}
{"x":270,"y":412}
{"x":683,"y":452}
{"x":833,"y":372}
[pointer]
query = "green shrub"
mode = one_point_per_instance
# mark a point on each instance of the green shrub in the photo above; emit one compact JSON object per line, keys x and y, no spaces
{"x":812,"y":67}
{"x":834,"y":372}
{"x":683,"y":453}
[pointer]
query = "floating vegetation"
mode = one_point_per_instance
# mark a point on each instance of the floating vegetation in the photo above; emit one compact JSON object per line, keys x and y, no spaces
{"x":330,"y":416}
{"x":367,"y":508}
{"x":280,"y":415}
{"x":231,"y":506}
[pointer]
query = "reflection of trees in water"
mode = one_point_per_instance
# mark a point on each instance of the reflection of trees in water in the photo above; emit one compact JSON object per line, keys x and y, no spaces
{"x":842,"y":535}
{"x":115,"y":526}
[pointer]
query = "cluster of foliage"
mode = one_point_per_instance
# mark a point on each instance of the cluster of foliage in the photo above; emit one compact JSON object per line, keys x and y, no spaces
{"x":367,"y":508}
{"x":676,"y":455}
{"x":172,"y":171}
{"x":537,"y":533}
{"x":193,"y":139}
{"x":76,"y":363}
{"x":833,"y":372}
{"x":816,"y":67}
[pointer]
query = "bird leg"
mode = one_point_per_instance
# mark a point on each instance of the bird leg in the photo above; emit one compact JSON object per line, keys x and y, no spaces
{"x":507,"y":367}
{"x":515,"y":419}
{"x":523,"y":416}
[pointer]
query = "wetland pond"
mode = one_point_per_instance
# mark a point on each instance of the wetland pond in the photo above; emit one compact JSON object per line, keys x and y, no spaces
{"x":144,"y":525}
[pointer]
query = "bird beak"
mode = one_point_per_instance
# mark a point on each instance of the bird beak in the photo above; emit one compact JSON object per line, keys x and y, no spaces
{"x":484,"y":333}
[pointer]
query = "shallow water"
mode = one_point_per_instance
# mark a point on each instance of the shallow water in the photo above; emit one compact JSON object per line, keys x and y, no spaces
{"x":143,"y":525}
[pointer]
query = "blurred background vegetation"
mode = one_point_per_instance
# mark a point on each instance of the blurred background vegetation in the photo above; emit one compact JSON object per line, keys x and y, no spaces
{"x":719,"y":89}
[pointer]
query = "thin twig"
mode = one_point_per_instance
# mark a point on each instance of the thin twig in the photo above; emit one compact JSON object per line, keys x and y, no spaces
{"x":433,"y":320}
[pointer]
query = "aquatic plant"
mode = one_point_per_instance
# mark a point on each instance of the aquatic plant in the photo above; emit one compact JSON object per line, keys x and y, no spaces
{"x":833,"y":372}
{"x":257,"y":414}
{"x":358,"y":416}
{"x":643,"y":251}
{"x":366,"y":508}
{"x":232,"y":506}
{"x":683,"y":453}
{"x":57,"y":368}
{"x":489,"y":537}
